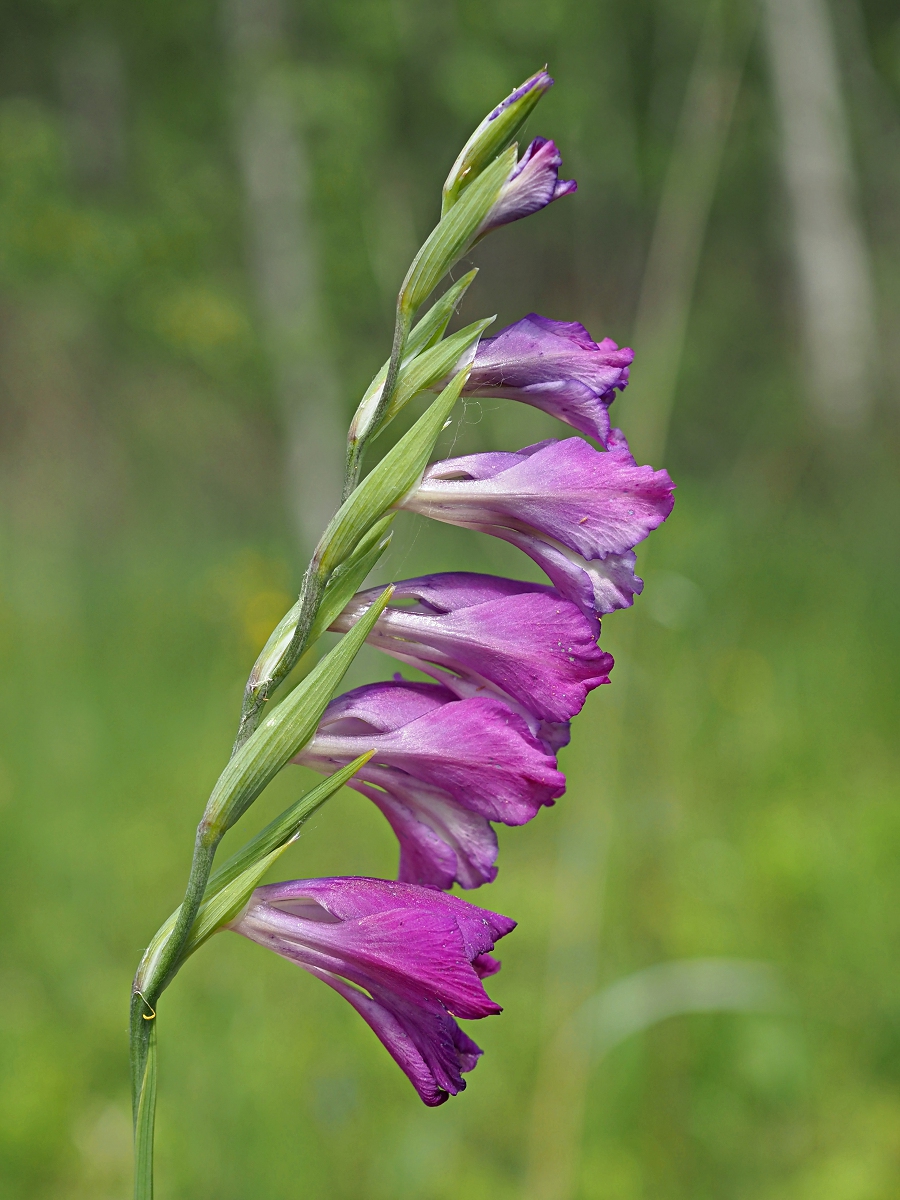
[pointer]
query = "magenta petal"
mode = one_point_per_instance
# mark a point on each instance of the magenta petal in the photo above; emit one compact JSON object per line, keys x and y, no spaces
{"x":424,"y":1040}
{"x":478,"y":750}
{"x":578,"y":511}
{"x":413,"y":951}
{"x":402,"y":1039}
{"x":486,"y":965}
{"x":441,"y":843}
{"x":347,"y":897}
{"x":381,"y":707}
{"x":439,"y":777}
{"x":532,"y":648}
{"x":405,"y":957}
{"x":597,"y":587}
{"x":554,"y":366}
{"x":533,"y":183}
{"x":451,"y":590}
{"x":594,"y":503}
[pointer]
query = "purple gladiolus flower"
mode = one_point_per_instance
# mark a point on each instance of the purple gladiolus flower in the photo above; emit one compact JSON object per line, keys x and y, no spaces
{"x":578,"y":512}
{"x":555,"y":366}
{"x":443,"y":770}
{"x":522,"y":643}
{"x":405,"y":957}
{"x":532,"y":184}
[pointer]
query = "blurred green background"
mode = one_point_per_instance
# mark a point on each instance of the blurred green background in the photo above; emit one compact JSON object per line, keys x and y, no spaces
{"x":205,"y":212}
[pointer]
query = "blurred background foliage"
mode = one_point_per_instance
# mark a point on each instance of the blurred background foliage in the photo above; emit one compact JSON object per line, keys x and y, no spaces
{"x":733,"y":793}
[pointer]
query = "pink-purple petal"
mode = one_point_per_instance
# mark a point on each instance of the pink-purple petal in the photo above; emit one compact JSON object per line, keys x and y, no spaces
{"x":405,"y":957}
{"x":577,"y":511}
{"x":441,"y":843}
{"x":531,"y":647}
{"x":595,"y":503}
{"x":554,"y":366}
{"x":477,"y":750}
{"x":596,"y":587}
{"x":436,"y":1077}
{"x":533,"y":183}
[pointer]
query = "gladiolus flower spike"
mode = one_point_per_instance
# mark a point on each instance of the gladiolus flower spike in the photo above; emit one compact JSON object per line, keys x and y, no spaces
{"x":509,"y":663}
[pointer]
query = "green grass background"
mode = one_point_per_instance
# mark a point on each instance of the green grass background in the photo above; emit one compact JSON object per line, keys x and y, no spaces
{"x":733,"y":792}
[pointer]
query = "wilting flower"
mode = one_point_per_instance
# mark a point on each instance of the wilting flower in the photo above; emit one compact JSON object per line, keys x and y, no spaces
{"x":555,"y":366}
{"x":443,"y":769}
{"x":578,"y":512}
{"x":531,"y":185}
{"x":521,"y":642}
{"x":405,"y":957}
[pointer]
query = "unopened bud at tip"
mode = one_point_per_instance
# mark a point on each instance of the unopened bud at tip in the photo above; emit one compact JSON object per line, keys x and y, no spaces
{"x":497,"y":131}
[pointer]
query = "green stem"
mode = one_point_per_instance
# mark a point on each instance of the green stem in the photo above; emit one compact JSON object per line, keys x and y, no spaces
{"x":143,"y":1061}
{"x":356,"y":448}
{"x":145,"y":995}
{"x":256,"y":695}
{"x":147,"y":989}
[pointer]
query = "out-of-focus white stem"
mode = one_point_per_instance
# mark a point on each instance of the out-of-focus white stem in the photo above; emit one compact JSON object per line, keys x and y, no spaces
{"x":679,"y":232}
{"x":273,"y":164}
{"x":832,"y":256}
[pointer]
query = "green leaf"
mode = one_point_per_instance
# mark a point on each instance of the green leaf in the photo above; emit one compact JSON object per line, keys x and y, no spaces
{"x":347,"y":579}
{"x":284,"y":828}
{"x":427,"y":333}
{"x":284,"y":731}
{"x":225,"y":905}
{"x":493,"y":135}
{"x":455,"y":232}
{"x":343,"y":583}
{"x":429,"y":368}
{"x":430,"y":329}
{"x":276,"y":835}
{"x":144,"y":1121}
{"x":391,"y":479}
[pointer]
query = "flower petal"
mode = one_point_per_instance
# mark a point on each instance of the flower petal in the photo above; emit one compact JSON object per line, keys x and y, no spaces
{"x":441,"y":843}
{"x":593,"y":502}
{"x":477,"y":750}
{"x":554,"y":366}
{"x":532,"y":648}
{"x":347,"y":897}
{"x":532,"y":184}
{"x":597,"y":587}
{"x":424,"y":1041}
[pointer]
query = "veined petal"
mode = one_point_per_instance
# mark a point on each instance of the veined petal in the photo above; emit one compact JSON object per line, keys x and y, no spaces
{"x":595,"y":503}
{"x":477,"y":750}
{"x":554,"y":366}
{"x":423,"y":1040}
{"x":405,"y":957}
{"x":410,"y":951}
{"x":346,"y":897}
{"x":441,"y":843}
{"x":522,"y":642}
{"x":596,"y":587}
{"x":533,"y":183}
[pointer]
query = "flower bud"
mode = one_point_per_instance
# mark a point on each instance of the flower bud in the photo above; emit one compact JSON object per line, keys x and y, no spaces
{"x":497,"y":131}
